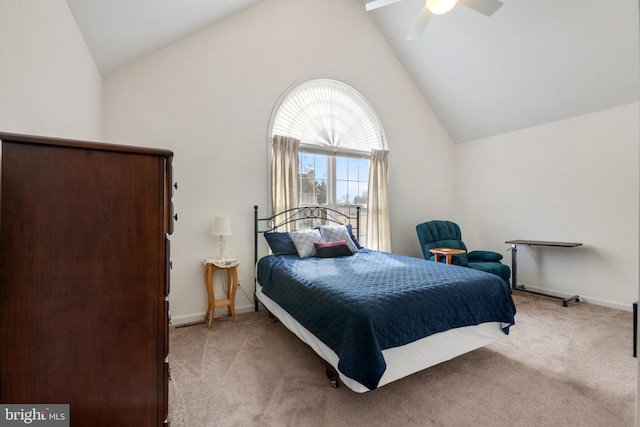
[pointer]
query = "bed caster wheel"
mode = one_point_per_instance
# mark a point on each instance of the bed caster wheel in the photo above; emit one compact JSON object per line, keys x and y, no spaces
{"x":332,"y":375}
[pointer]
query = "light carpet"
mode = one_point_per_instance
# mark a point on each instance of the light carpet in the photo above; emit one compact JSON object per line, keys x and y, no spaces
{"x":559,"y":366}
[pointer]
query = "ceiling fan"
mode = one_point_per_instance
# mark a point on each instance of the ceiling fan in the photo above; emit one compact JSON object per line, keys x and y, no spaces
{"x":439,"y":7}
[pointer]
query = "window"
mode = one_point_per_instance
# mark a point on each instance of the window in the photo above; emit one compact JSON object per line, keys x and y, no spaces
{"x":332,"y":180}
{"x":337,"y":129}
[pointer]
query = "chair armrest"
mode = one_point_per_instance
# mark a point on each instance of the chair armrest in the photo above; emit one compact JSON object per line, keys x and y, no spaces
{"x":484,"y":256}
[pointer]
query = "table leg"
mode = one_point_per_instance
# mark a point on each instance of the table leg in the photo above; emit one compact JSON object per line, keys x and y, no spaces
{"x":448,"y":258}
{"x":635,"y":328}
{"x":514,"y":266}
{"x":233,"y":285}
{"x":208,"y":281}
{"x":436,"y":257}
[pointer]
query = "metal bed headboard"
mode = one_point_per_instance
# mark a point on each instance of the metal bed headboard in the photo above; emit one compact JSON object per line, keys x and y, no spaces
{"x":302,"y":218}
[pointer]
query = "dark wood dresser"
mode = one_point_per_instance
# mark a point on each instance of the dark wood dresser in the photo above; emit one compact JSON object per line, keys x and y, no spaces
{"x":84,"y":279}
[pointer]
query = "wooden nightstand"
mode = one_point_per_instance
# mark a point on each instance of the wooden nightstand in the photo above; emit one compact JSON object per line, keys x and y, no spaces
{"x":211,"y":266}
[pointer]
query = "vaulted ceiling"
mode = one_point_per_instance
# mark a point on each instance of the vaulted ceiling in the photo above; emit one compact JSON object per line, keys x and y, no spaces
{"x":532,"y":62}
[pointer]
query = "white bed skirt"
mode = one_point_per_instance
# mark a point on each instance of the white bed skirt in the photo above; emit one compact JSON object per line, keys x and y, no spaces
{"x":401,"y":361}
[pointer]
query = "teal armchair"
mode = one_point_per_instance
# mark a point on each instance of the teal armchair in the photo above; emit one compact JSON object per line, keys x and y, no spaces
{"x":447,"y":234}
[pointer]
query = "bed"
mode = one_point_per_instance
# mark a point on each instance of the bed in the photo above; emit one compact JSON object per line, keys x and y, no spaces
{"x":372,"y":317}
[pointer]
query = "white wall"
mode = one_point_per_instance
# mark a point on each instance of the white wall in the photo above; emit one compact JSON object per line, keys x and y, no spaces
{"x":49,"y":84}
{"x":209,"y":99}
{"x":576,"y":180}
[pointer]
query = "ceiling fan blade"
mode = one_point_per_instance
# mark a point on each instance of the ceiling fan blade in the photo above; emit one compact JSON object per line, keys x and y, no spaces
{"x":420,"y":25}
{"x":379,"y":3}
{"x":485,"y":7}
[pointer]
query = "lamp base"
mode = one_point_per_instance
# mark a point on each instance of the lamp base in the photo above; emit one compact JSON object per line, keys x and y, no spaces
{"x":221,"y":255}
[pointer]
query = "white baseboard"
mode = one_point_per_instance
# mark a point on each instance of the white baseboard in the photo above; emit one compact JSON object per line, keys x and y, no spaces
{"x":583,"y":298}
{"x":199,"y":317}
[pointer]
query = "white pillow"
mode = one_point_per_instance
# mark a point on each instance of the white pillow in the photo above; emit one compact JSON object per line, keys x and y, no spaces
{"x":338,"y":232}
{"x":304,"y":242}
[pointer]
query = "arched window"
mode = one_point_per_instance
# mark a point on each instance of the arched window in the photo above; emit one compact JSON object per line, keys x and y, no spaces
{"x":337,"y":129}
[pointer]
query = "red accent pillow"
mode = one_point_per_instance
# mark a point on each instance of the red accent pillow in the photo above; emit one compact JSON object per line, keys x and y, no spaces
{"x":333,"y":249}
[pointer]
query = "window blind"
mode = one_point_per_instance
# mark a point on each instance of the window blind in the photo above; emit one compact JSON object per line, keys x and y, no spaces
{"x":329,"y":113}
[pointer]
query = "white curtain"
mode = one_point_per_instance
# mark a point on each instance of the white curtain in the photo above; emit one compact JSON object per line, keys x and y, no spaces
{"x":378,"y":234}
{"x":284,"y":175}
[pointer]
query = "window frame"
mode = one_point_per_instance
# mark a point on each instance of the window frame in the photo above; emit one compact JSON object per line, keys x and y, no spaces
{"x":332,"y":177}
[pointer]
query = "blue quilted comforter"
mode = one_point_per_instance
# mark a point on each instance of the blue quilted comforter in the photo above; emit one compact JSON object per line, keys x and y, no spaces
{"x":362,"y":304}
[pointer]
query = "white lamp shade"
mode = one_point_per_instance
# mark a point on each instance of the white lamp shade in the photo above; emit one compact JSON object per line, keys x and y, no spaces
{"x":221,"y":226}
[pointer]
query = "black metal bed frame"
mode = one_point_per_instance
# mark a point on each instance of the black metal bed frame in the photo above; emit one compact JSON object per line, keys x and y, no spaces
{"x":301,"y":218}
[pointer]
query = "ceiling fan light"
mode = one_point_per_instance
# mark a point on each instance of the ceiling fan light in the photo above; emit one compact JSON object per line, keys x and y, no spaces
{"x":439,"y":7}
